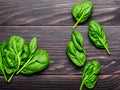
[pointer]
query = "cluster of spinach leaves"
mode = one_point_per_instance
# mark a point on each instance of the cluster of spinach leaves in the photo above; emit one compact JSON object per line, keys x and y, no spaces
{"x":75,"y":48}
{"x":16,"y":57}
{"x":81,"y":11}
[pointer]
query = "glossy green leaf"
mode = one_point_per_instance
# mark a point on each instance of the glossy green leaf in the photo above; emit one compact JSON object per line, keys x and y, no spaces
{"x":89,"y":74}
{"x":25,"y":54}
{"x":81,"y":11}
{"x":38,"y":62}
{"x":78,"y":58}
{"x":75,"y":49}
{"x":10,"y":62}
{"x":13,"y":52}
{"x":33,"y":45}
{"x":26,"y":49}
{"x":3,"y":50}
{"x":77,"y":39}
{"x":2,"y":70}
{"x":11,"y":59}
{"x":97,"y":35}
{"x":90,"y":83}
{"x":16,"y":44}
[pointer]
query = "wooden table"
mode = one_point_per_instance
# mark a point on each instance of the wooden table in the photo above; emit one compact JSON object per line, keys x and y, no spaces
{"x":51,"y":22}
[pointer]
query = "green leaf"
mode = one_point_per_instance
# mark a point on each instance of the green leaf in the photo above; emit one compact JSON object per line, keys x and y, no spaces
{"x":90,"y":83}
{"x":25,"y":54}
{"x":26,"y":49}
{"x":97,"y":35}
{"x":16,"y":44}
{"x":10,"y":62}
{"x":5,"y":62}
{"x":81,"y":11}
{"x":33,"y":45}
{"x":2,"y":71}
{"x":89,"y":74}
{"x":75,"y":49}
{"x":11,"y":59}
{"x":77,"y":39}
{"x":78,"y":58}
{"x":12,"y":55}
{"x":36,"y":63}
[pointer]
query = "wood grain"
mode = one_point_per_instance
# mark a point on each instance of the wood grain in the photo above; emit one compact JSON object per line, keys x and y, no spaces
{"x":58,"y":82}
{"x":54,"y":39}
{"x":51,"y":22}
{"x":55,"y":12}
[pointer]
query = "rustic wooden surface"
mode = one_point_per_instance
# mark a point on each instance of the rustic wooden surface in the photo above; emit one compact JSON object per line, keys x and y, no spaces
{"x":50,"y":21}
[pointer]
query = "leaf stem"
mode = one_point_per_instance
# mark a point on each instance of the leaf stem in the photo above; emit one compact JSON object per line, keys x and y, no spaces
{"x":5,"y":77}
{"x":11,"y":77}
{"x":74,"y":26}
{"x":82,"y":84}
{"x":24,"y":66}
{"x":107,"y":50}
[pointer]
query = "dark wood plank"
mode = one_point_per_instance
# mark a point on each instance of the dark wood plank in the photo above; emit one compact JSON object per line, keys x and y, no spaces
{"x":58,"y":82}
{"x":55,"y":12}
{"x":55,"y":38}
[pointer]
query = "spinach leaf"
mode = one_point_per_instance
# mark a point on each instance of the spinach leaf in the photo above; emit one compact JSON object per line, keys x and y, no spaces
{"x":97,"y":35}
{"x":78,"y":58}
{"x":36,"y":63}
{"x":25,"y":55}
{"x":2,"y":71}
{"x":28,"y":50}
{"x":81,"y":11}
{"x":89,"y":74}
{"x":33,"y":45}
{"x":11,"y":62}
{"x":12,"y":57}
{"x":75,"y":50}
{"x":77,"y":39}
{"x":16,"y":44}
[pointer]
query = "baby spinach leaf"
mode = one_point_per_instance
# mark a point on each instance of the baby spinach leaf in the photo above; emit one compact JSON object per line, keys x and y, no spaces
{"x":3,"y":50}
{"x":77,"y":39}
{"x":75,"y":49}
{"x":33,"y":45}
{"x":2,"y":71}
{"x":97,"y":35}
{"x":36,"y":63}
{"x":77,"y":57}
{"x":16,"y":44}
{"x":25,"y":54}
{"x":12,"y":57}
{"x":26,"y":49}
{"x":81,"y":11}
{"x":10,"y":62}
{"x":89,"y":74}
